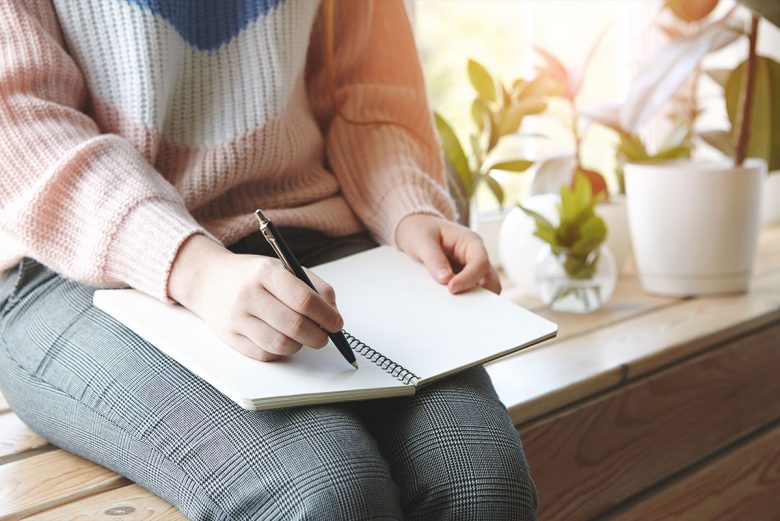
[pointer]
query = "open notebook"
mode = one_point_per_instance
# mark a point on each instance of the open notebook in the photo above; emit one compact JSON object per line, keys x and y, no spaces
{"x":406,"y":329}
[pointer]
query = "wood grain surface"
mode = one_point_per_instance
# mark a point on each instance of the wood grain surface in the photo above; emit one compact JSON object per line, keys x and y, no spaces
{"x":538,"y":381}
{"x":129,"y":503}
{"x":16,"y":438}
{"x":44,"y":481}
{"x":589,"y":458}
{"x":742,"y":485}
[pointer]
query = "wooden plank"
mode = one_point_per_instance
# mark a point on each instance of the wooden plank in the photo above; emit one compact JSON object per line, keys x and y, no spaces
{"x":740,"y":485}
{"x":542,"y":379}
{"x":589,"y":458}
{"x":16,"y":438}
{"x":48,"y":480}
{"x":130,"y":503}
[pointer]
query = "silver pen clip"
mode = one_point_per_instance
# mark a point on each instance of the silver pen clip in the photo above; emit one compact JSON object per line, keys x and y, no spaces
{"x":269,"y":236}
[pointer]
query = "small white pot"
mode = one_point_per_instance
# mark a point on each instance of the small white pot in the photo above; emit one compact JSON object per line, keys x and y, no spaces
{"x":771,"y":213}
{"x":488,"y":227}
{"x":694,"y":225}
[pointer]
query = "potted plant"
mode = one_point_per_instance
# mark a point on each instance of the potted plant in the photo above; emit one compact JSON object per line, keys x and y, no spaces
{"x":575,"y":271}
{"x":518,"y":245}
{"x":694,"y":225}
{"x":497,"y":111}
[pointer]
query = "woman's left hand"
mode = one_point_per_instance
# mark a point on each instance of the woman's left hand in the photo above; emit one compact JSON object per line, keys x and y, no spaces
{"x":453,"y":254}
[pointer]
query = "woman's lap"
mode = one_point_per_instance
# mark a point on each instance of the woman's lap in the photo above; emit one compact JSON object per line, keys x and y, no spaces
{"x":89,"y":385}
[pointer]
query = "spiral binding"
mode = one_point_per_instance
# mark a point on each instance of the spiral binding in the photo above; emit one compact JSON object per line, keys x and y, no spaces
{"x":399,"y":372}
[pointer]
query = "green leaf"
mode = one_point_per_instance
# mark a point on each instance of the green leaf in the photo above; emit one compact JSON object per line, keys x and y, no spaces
{"x":536,"y":88}
{"x":480,"y":114}
{"x":764,"y":132}
{"x":496,"y":188}
{"x":631,"y":148}
{"x":517,"y":165}
{"x":454,"y":153}
{"x":482,"y":81}
{"x":673,"y":152}
{"x":511,"y":117}
{"x":544,"y":228}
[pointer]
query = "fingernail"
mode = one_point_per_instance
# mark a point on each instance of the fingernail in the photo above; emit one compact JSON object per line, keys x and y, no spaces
{"x":442,"y":274}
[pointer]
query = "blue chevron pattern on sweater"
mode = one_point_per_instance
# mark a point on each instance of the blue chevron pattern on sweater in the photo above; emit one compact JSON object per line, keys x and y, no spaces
{"x":208,"y":24}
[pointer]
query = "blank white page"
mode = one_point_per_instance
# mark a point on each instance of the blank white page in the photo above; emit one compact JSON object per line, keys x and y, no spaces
{"x":309,"y":377}
{"x":391,"y":303}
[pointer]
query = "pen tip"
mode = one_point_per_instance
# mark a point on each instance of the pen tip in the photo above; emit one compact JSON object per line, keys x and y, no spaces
{"x":354,"y":364}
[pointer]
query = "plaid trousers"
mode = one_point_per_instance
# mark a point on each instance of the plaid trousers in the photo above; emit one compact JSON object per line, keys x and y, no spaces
{"x":91,"y":386}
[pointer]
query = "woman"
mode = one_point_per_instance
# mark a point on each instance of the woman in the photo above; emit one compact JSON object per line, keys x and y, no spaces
{"x":137,"y":138}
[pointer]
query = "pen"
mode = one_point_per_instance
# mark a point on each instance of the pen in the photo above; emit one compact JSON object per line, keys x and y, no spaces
{"x":287,"y":257}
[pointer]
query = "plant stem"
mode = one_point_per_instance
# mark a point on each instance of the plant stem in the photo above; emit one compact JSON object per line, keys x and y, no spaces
{"x":745,"y":113}
{"x":577,"y":138}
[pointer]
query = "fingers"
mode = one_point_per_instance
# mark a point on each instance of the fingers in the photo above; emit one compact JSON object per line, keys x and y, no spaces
{"x":267,"y":308}
{"x":265,"y":338}
{"x":434,"y":259}
{"x":473,"y":257}
{"x":246,"y":347}
{"x":323,"y":288}
{"x":491,"y":282}
{"x":299,"y":297}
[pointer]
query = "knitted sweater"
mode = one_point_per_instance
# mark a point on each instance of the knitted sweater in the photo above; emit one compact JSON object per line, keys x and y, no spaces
{"x":126,"y":126}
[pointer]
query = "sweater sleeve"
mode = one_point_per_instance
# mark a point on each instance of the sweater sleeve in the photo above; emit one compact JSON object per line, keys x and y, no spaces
{"x":82,"y":202}
{"x":386,"y":172}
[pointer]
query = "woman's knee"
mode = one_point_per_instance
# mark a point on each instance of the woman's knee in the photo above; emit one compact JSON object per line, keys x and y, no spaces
{"x":318,"y":464}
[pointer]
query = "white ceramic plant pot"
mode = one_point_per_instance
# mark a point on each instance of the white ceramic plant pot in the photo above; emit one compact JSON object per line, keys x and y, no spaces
{"x":694,"y":225}
{"x":771,"y":205}
{"x":488,"y":227}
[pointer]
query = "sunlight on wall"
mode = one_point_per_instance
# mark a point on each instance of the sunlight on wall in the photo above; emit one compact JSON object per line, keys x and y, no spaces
{"x":501,"y":34}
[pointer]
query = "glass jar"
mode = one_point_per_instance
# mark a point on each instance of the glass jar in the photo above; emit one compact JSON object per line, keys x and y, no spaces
{"x":575,"y":283}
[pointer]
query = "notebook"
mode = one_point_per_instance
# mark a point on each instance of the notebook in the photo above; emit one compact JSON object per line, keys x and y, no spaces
{"x":406,"y":330}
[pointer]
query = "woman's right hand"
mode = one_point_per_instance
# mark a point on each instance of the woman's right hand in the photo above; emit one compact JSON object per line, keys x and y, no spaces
{"x":251,"y":301}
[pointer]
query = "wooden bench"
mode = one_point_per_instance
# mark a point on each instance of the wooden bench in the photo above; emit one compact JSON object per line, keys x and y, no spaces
{"x":650,"y":408}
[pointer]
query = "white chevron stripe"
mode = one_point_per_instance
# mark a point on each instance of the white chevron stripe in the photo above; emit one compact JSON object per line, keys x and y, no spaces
{"x":137,"y":62}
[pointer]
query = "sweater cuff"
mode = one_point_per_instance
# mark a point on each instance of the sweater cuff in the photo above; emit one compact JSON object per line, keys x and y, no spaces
{"x":146,"y":242}
{"x":405,"y":200}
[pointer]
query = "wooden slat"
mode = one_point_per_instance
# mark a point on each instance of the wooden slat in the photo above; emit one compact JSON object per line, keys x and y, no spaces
{"x":48,"y":480}
{"x":16,"y":438}
{"x":546,"y":378}
{"x":741,"y":485}
{"x":588,"y":459}
{"x":130,"y":503}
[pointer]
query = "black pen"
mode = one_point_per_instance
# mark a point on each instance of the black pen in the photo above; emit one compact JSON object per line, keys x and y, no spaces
{"x":287,"y":257}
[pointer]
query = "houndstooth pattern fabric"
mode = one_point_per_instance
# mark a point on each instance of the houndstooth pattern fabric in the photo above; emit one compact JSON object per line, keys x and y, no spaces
{"x":91,"y":386}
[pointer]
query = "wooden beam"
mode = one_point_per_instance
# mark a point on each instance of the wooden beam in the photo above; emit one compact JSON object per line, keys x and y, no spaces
{"x":132,"y":502}
{"x":541,"y":380}
{"x":16,"y":438}
{"x":48,"y":480}
{"x":741,"y":485}
{"x":591,"y":457}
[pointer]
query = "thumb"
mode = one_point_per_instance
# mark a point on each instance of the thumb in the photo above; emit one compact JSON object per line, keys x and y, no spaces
{"x":431,"y":254}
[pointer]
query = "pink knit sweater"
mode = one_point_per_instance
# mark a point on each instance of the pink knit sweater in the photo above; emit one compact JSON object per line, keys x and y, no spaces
{"x":128,"y":125}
